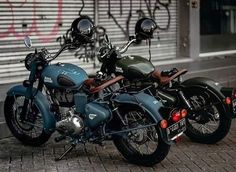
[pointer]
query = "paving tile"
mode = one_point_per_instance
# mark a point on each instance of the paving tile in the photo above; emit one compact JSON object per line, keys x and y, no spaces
{"x":185,"y":156}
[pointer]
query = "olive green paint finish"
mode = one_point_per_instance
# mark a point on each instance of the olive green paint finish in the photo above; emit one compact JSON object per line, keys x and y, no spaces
{"x":135,"y":67}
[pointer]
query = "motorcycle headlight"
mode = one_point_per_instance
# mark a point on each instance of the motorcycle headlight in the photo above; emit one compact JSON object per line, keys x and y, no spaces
{"x":28,"y":60}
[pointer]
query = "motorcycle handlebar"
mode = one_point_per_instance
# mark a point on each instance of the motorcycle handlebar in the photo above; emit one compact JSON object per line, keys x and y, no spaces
{"x":64,"y":47}
{"x":125,"y":48}
{"x":119,"y":51}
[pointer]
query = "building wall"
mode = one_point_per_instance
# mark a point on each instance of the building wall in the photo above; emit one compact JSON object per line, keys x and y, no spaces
{"x":47,"y":21}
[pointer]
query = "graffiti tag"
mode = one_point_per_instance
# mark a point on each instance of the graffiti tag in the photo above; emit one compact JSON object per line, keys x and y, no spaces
{"x":32,"y":25}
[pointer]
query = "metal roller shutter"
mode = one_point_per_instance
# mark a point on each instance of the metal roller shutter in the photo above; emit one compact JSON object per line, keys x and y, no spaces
{"x":166,"y":48}
{"x":46,"y":20}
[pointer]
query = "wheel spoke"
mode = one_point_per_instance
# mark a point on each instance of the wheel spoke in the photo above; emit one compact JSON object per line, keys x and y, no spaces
{"x":134,"y":145}
{"x":149,"y":149}
{"x":34,"y":126}
{"x":204,"y":128}
{"x":207,"y":110}
{"x":140,"y":139}
{"x":212,"y":124}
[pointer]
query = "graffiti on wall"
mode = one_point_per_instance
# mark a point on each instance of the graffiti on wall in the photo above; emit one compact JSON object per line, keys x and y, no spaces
{"x":32,"y":25}
{"x":151,"y":7}
{"x":87,"y":52}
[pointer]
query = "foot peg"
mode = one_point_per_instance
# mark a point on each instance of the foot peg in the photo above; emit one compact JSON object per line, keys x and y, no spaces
{"x":66,"y":152}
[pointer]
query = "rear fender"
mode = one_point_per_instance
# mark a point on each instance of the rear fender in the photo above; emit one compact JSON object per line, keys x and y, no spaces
{"x":214,"y":87}
{"x":41,"y":102}
{"x":149,"y":104}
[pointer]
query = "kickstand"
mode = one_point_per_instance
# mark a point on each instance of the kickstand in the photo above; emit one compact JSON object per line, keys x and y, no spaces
{"x":66,"y":152}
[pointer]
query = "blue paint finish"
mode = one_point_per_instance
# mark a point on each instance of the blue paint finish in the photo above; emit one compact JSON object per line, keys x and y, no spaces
{"x":96,"y":113}
{"x":49,"y":122}
{"x":147,"y":102}
{"x":72,"y":72}
{"x":80,"y":99}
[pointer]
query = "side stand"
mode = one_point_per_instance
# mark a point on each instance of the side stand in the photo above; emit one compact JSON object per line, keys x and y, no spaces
{"x":66,"y":152}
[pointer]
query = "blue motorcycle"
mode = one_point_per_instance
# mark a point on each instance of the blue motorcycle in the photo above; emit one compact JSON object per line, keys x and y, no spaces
{"x":60,"y":97}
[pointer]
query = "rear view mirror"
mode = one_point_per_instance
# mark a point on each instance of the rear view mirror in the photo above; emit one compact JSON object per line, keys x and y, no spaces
{"x":28,"y":42}
{"x":107,"y":39}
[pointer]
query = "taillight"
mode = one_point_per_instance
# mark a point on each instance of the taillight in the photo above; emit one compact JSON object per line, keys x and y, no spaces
{"x":183,"y":113}
{"x":176,"y":116}
{"x":228,"y":100}
{"x":163,"y":124}
{"x":235,"y":94}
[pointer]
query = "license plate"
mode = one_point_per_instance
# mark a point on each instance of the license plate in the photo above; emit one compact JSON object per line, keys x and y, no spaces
{"x":234,"y":106}
{"x":176,"y":129}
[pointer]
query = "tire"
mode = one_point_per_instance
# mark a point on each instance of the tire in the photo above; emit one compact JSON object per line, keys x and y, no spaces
{"x":129,"y":152}
{"x":209,"y":112}
{"x":23,"y":131}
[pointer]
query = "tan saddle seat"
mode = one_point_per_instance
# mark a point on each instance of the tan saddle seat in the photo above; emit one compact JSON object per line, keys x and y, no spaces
{"x":94,"y":88}
{"x":163,"y":80}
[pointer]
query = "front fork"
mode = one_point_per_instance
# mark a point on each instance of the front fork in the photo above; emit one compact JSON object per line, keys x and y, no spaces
{"x":29,"y":92}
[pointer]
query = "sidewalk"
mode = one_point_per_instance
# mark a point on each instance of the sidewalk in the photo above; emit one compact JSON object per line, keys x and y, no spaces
{"x":184,"y":156}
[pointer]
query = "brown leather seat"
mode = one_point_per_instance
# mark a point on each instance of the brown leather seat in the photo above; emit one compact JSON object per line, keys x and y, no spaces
{"x":95,"y":89}
{"x":163,"y":80}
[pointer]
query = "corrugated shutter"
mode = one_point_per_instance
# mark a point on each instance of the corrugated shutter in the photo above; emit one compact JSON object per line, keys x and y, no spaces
{"x":166,"y":48}
{"x":46,"y":20}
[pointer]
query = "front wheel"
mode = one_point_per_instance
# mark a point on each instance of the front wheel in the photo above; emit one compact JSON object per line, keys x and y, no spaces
{"x":207,"y":122}
{"x":30,"y":130}
{"x":142,"y":146}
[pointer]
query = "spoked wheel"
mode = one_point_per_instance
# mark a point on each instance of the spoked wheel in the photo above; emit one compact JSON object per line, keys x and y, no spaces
{"x":30,"y":130}
{"x":208,"y":122}
{"x":141,"y":146}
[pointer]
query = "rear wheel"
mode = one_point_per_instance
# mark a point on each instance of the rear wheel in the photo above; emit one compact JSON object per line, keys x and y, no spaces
{"x":207,"y":122}
{"x":142,"y":146}
{"x":29,"y":131}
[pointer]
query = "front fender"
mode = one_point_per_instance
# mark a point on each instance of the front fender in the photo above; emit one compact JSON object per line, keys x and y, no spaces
{"x":147,"y":102}
{"x":41,"y":102}
{"x":212,"y":86}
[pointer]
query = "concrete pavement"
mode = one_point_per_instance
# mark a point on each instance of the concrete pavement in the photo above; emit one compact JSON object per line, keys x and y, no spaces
{"x":185,"y":156}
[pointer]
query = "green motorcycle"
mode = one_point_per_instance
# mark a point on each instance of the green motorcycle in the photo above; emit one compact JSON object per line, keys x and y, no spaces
{"x":210,"y":107}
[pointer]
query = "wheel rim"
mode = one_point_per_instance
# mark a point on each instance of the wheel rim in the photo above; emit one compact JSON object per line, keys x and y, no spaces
{"x":33,"y":125}
{"x":143,"y":141}
{"x":205,"y":118}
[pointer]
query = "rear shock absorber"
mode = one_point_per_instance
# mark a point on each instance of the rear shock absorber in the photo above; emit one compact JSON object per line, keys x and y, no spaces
{"x":170,"y":99}
{"x":185,"y":100}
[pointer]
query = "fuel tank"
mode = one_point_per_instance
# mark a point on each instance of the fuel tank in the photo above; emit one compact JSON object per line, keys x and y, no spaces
{"x":134,"y":67}
{"x":63,"y":75}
